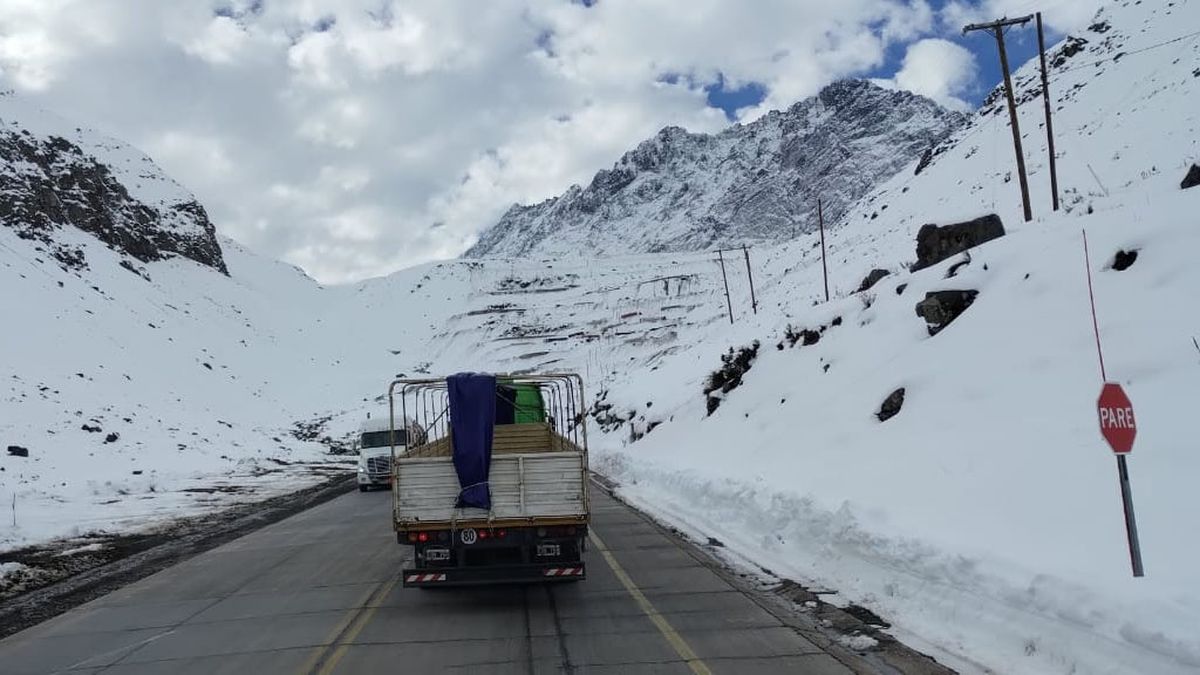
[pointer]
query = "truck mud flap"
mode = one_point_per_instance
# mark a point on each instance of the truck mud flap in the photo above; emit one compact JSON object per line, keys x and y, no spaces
{"x":481,"y":576}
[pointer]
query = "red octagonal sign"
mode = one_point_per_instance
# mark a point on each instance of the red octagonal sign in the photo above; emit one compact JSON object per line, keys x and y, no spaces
{"x":1116,"y":418}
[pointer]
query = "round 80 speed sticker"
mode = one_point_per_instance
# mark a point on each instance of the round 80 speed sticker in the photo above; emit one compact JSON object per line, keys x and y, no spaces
{"x":469,"y":536}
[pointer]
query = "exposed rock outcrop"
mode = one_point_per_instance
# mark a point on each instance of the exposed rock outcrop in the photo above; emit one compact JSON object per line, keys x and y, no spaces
{"x":871,"y":279}
{"x":1192,"y":179}
{"x":935,"y":243}
{"x":891,"y":405}
{"x":941,"y":308}
{"x":107,"y":189}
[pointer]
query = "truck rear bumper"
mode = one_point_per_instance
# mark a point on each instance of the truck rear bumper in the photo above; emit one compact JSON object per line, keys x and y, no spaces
{"x":481,"y":576}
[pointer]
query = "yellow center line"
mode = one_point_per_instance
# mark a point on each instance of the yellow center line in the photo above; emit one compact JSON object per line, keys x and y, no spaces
{"x":322,"y":662}
{"x":673,"y":638}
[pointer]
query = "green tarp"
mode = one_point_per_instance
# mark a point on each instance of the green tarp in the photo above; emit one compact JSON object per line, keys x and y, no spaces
{"x":529,"y":404}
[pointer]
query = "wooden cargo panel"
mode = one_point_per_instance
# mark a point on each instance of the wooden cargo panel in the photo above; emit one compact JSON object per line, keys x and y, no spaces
{"x":537,"y":485}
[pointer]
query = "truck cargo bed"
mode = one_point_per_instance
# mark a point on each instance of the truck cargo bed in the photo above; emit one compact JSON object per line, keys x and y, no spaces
{"x":525,"y":487}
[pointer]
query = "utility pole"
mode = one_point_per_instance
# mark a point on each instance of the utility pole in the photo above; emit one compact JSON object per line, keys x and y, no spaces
{"x":750,"y":276}
{"x":824,"y":267}
{"x":728,"y":302}
{"x":1049,"y":124}
{"x":997,"y":29}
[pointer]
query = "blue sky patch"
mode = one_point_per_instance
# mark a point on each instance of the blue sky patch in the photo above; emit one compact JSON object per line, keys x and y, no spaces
{"x":730,"y":99}
{"x":720,"y":94}
{"x":1019,"y":41}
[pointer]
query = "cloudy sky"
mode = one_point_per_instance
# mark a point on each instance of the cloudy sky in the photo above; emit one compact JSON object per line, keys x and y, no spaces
{"x":357,"y":137}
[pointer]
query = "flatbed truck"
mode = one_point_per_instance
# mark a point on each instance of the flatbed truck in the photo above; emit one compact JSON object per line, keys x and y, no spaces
{"x":496,"y":491}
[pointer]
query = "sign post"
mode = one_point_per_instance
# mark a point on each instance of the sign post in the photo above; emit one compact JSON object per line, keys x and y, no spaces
{"x":1118,"y":427}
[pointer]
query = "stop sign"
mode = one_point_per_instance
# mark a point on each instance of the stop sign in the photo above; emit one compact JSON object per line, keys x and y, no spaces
{"x":1116,"y":418}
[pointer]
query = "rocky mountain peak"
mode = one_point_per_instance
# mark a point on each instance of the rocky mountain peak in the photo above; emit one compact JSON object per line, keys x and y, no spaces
{"x":54,"y":176}
{"x":750,"y":183}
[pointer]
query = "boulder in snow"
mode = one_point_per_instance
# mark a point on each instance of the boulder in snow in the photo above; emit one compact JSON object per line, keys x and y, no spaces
{"x":891,"y":405}
{"x":729,"y":376}
{"x":1123,"y":260}
{"x":871,"y":279}
{"x":940,"y":308}
{"x":18,"y":451}
{"x":936,"y":243}
{"x":925,"y":161}
{"x":1192,"y":179}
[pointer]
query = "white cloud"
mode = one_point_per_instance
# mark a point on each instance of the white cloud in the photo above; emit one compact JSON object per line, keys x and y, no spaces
{"x":339,"y":123}
{"x":221,"y":42}
{"x":206,"y":154}
{"x":1060,"y":16}
{"x":938,"y":69}
{"x":353,"y":137}
{"x":316,"y":61}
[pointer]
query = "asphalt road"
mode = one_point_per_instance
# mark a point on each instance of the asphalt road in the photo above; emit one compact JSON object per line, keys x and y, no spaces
{"x":319,"y":593}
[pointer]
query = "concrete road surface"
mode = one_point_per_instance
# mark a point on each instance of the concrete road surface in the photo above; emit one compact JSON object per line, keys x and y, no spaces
{"x":319,"y":593}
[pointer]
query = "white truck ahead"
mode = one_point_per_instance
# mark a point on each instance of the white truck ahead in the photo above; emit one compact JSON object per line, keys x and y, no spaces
{"x":376,"y":443}
{"x":495,"y":490}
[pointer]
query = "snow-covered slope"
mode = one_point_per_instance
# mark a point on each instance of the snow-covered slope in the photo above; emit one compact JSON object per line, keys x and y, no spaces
{"x":146,"y":372}
{"x":749,"y":184}
{"x":137,"y":398}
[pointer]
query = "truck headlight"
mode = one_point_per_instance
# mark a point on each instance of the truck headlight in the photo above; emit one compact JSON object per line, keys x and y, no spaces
{"x":361,"y":470}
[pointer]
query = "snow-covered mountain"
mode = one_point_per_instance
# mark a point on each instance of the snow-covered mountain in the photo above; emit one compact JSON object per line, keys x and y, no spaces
{"x":753,"y":183}
{"x":55,"y":175}
{"x":982,"y":519}
{"x":144,"y":368}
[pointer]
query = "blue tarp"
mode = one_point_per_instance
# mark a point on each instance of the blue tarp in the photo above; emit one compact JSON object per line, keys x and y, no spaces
{"x":472,"y":416}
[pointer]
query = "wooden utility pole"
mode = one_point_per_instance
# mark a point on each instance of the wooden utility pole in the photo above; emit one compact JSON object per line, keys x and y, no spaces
{"x":824,"y":267}
{"x":1049,"y":124}
{"x":750,"y":276}
{"x":728,"y":302}
{"x":997,"y":29}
